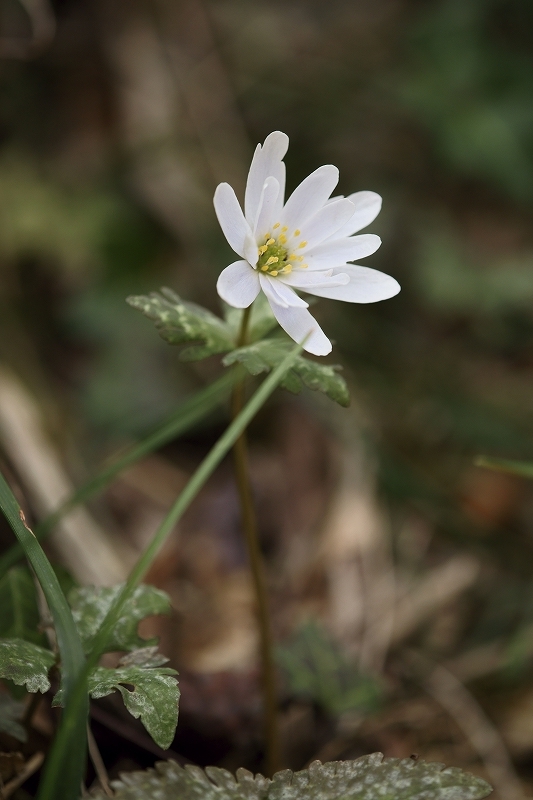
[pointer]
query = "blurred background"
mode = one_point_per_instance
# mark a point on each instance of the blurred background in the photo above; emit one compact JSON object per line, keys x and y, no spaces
{"x":400,"y":573}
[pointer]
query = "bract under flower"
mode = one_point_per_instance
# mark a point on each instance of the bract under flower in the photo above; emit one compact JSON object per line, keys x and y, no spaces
{"x":305,"y":244}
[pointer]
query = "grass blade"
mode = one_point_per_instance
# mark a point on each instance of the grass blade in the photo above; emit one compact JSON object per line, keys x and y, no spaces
{"x":59,"y":754}
{"x":522,"y":468}
{"x":70,"y":647}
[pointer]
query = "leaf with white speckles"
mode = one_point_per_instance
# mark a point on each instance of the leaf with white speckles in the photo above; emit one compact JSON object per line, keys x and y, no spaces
{"x":90,"y":605}
{"x":26,"y":664}
{"x":368,"y":778}
{"x":179,"y":322}
{"x":265,"y":355}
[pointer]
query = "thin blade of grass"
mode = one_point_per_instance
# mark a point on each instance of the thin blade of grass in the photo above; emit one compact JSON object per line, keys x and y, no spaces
{"x":522,"y":468}
{"x":59,"y":755}
{"x":69,"y":643}
{"x":188,"y":414}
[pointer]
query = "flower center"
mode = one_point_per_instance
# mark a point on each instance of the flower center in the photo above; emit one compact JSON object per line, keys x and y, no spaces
{"x":274,"y":258}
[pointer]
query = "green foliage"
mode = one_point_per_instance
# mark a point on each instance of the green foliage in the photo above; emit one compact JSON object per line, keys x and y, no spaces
{"x":179,"y":322}
{"x":267,"y":354}
{"x":11,"y":712}
{"x":90,"y":605}
{"x":41,"y":217}
{"x":317,"y":670}
{"x":366,"y":778}
{"x":469,"y":85}
{"x":20,"y":614}
{"x":25,"y":663}
{"x":453,"y":281}
{"x":149,"y":691}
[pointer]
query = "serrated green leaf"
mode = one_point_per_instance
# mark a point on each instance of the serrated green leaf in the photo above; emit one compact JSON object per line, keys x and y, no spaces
{"x":25,"y":663}
{"x":267,"y":354}
{"x":90,"y":605}
{"x":155,"y":692}
{"x":180,"y":322}
{"x":20,"y":613}
{"x":317,"y":670}
{"x":11,"y":712}
{"x":367,"y":778}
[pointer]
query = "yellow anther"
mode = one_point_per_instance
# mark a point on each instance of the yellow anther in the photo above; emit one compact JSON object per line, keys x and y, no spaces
{"x":272,"y":260}
{"x":286,"y":269}
{"x":284,"y":229}
{"x":304,"y":266}
{"x":282,"y":238}
{"x":297,"y":232}
{"x":263,"y":249}
{"x":302,"y":244}
{"x":277,"y":225}
{"x":270,"y":241}
{"x":264,"y":268}
{"x":274,"y":273}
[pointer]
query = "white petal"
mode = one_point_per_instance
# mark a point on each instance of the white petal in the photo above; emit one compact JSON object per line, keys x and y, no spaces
{"x":265,"y":211}
{"x":278,"y":292}
{"x":309,"y":196}
{"x":336,"y":252}
{"x":309,"y":281}
{"x":300,"y":325}
{"x":238,"y":284}
{"x":367,"y":207}
{"x":366,"y":286}
{"x":231,"y":218}
{"x":325,"y":223}
{"x":267,"y":162}
{"x":251,"y":250}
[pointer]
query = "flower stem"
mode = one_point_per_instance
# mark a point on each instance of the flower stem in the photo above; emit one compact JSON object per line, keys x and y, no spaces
{"x":249,"y":523}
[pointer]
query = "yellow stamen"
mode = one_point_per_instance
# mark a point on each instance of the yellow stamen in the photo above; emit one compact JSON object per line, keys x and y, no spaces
{"x":282,"y":238}
{"x":302,"y":244}
{"x":277,"y":225}
{"x":263,"y":249}
{"x":304,"y":266}
{"x":284,"y":229}
{"x":264,"y":268}
{"x":286,"y":269}
{"x":297,"y":232}
{"x":272,"y":260}
{"x":274,"y":273}
{"x":270,"y":241}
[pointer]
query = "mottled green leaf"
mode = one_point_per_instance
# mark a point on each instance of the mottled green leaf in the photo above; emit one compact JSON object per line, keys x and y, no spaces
{"x":180,"y":322}
{"x":11,"y":712}
{"x":154,"y":694}
{"x":316,"y":669}
{"x":90,"y":605}
{"x":367,"y":778}
{"x":267,"y":354}
{"x":25,"y":663}
{"x":19,"y":618}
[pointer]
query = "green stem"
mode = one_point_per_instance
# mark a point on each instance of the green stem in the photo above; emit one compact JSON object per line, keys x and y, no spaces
{"x":249,"y":524}
{"x":63,"y":741}
{"x":69,"y":643}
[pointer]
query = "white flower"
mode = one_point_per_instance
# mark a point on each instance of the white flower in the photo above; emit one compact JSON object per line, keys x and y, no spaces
{"x":304,"y":244}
